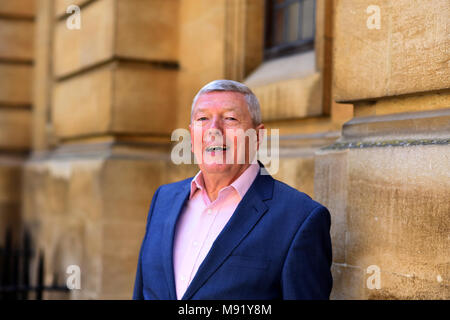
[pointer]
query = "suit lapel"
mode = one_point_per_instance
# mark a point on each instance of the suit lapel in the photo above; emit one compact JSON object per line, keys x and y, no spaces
{"x":247,"y":214}
{"x":173,"y":208}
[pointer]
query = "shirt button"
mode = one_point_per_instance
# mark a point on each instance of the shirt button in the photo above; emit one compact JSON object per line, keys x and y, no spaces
{"x":183,"y":278}
{"x":195,"y":243}
{"x":209,"y":211}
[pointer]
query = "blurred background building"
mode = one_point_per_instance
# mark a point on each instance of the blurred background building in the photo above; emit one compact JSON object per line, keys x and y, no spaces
{"x":358,"y":89}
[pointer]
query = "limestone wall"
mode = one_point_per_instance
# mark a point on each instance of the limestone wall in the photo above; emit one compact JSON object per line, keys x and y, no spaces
{"x":363,"y":121}
{"x":386,"y":180}
{"x":101,"y":138}
{"x":109,"y":95}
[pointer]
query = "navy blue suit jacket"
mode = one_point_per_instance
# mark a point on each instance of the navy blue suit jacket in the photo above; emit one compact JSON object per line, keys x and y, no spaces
{"x":276,"y":245}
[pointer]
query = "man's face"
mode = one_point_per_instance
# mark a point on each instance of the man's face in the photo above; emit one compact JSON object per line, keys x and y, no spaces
{"x":220,"y":116}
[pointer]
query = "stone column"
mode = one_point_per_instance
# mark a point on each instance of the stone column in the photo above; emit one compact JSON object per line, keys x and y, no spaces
{"x":16,"y":67}
{"x":386,"y":180}
{"x":107,"y":100}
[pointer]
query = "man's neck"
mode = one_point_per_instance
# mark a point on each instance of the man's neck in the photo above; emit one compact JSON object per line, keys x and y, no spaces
{"x":214,"y":182}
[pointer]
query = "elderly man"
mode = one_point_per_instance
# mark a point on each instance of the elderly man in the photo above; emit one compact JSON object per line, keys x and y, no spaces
{"x":232,"y":232}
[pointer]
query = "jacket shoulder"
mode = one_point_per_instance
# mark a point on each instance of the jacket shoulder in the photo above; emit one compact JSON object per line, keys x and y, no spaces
{"x":170,"y":187}
{"x":293,"y":197}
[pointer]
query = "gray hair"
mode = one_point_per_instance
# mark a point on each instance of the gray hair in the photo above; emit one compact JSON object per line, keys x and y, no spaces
{"x":233,"y":86}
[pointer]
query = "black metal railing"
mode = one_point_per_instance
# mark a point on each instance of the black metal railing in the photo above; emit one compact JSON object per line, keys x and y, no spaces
{"x":15,"y":270}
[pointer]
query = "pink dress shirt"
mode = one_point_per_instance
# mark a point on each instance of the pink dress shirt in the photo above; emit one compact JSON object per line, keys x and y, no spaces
{"x":201,"y":222}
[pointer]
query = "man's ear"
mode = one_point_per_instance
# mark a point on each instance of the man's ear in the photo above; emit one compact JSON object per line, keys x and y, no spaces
{"x":192,"y":138}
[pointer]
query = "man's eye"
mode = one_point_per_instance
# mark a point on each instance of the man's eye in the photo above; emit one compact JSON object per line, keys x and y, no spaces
{"x":230,"y":118}
{"x":202,"y":119}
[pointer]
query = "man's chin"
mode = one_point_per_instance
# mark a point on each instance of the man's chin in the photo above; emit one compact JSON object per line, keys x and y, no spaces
{"x":216,"y":167}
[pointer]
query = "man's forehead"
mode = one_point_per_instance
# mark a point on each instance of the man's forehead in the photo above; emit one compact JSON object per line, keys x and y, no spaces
{"x":227,"y":101}
{"x":208,"y":106}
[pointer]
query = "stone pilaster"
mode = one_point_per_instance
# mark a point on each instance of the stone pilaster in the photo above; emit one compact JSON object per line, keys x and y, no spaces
{"x":386,"y":179}
{"x":107,"y":100}
{"x":16,"y":67}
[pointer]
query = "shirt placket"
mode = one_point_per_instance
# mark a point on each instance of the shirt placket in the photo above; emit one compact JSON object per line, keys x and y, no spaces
{"x":211,"y":213}
{"x":201,"y":236}
{"x":204,"y":229}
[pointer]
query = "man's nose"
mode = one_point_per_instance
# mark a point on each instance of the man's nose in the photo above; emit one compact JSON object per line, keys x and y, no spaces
{"x":216,"y":124}
{"x":214,"y":129}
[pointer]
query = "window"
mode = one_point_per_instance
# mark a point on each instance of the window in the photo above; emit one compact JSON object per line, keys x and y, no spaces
{"x":290,"y":27}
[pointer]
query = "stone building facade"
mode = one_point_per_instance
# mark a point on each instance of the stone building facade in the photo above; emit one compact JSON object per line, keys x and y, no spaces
{"x":86,"y":117}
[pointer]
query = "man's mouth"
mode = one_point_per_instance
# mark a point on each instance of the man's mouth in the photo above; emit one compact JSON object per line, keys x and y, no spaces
{"x":216,"y":148}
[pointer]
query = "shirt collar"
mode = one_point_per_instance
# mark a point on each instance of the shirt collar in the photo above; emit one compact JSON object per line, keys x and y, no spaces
{"x":241,"y":184}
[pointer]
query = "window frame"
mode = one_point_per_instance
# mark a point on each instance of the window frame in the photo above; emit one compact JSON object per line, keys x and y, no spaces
{"x":285,"y":48}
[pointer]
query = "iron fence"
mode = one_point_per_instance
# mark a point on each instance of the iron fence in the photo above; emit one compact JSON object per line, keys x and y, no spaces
{"x":15,"y":270}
